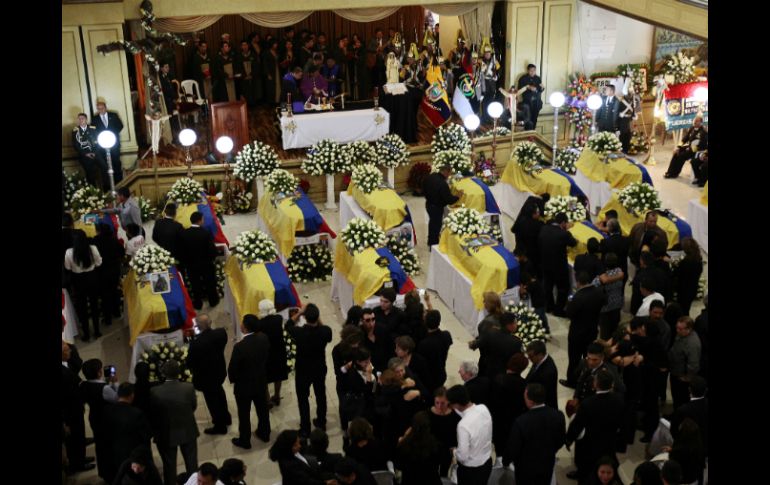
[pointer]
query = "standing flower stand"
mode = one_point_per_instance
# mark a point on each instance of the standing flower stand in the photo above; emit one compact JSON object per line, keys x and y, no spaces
{"x":392,"y":178}
{"x":260,"y":187}
{"x":330,"y":203}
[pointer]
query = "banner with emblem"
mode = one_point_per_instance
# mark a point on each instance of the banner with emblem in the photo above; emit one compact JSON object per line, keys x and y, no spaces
{"x":680,"y":106}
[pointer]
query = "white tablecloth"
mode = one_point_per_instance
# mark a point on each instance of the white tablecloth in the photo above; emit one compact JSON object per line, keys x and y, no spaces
{"x":304,"y":130}
{"x":509,"y":199}
{"x":350,"y":209}
{"x":298,"y":241}
{"x":342,"y":292}
{"x":146,"y":340}
{"x":70,"y":319}
{"x":508,"y":239}
{"x":698,"y":217}
{"x":454,"y":289}
{"x":235,"y":317}
{"x":598,"y":193}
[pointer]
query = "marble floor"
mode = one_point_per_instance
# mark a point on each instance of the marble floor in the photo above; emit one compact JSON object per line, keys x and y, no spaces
{"x":113,"y":348}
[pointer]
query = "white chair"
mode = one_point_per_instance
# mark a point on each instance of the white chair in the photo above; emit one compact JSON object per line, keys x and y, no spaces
{"x":384,"y":477}
{"x":192,"y":94}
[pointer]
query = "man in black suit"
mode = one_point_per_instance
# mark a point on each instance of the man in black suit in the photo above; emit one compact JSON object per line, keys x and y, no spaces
{"x":616,"y":243}
{"x":535,"y":438}
{"x":198,"y":253}
{"x":590,"y":262}
{"x":73,"y":409}
{"x":389,"y":316}
{"x":553,"y":242}
{"x":350,"y":472}
{"x":376,"y":340}
{"x":543,"y":372}
{"x":435,"y":348}
{"x":600,"y":416}
{"x":109,"y":121}
{"x":167,"y":232}
{"x":531,"y":96}
{"x":583,"y":310}
{"x":697,"y":410}
{"x":248,"y":374}
{"x":206,"y":360}
{"x":694,"y":140}
{"x":477,"y":386}
{"x":593,"y":364}
{"x":84,"y":142}
{"x":311,"y":340}
{"x":607,"y":114}
{"x":437,"y":197}
{"x":172,"y":413}
{"x":125,"y":427}
{"x":497,"y":347}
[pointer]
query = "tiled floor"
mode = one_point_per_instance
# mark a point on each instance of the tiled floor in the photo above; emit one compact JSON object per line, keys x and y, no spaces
{"x":113,"y":349}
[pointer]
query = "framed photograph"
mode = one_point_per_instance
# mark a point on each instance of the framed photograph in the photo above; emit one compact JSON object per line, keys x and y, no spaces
{"x":92,"y":219}
{"x":160,"y":283}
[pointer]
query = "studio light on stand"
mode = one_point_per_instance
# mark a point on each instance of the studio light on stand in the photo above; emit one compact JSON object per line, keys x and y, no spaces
{"x":471,"y":123}
{"x":557,"y":101}
{"x":224,"y":146}
{"x":594,"y":103}
{"x":107,"y":140}
{"x":187,"y":138}
{"x":495,"y":110}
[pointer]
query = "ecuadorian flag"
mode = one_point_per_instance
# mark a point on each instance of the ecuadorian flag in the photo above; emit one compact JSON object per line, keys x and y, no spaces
{"x":90,"y":229}
{"x":253,"y":283}
{"x":210,"y":220}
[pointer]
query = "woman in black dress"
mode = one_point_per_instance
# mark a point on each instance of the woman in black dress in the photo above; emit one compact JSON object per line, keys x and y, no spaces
{"x":356,"y":387}
{"x":271,"y":325}
{"x":363,"y":447}
{"x":418,"y":454}
{"x":687,"y":274}
{"x":443,"y":425}
{"x":507,"y":400}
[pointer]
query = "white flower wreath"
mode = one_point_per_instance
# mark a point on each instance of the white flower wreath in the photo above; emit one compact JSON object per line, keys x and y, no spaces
{"x":360,"y":234}
{"x":530,"y":326}
{"x":87,"y":199}
{"x":150,"y":259}
{"x":327,"y":157}
{"x":254,"y":247}
{"x":528,"y":156}
{"x":451,"y":137}
{"x":603,"y":143}
{"x":639,"y":198}
{"x":465,"y":222}
{"x":367,"y":178}
{"x":281,"y":181}
{"x":567,"y":204}
{"x":256,"y":159}
{"x":362,"y":153}
{"x":459,"y":161}
{"x":185,"y":191}
{"x":391,"y":151}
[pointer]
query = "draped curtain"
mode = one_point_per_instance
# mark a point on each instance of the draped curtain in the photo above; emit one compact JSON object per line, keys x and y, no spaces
{"x":179,"y":25}
{"x":366,"y":14}
{"x":276,"y":19}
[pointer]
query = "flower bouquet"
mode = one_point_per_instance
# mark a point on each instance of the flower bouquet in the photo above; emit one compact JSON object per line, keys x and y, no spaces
{"x":638,"y":198}
{"x":310,"y":263}
{"x":241,"y":200}
{"x":291,"y":350}
{"x":417,"y":175}
{"x":151,"y":259}
{"x":530,"y":326}
{"x":451,"y":137}
{"x":360,"y":234}
{"x":367,"y":178}
{"x":636,"y":74}
{"x":459,"y":161}
{"x":361,"y":153}
{"x":404,"y":253}
{"x":219,"y":268}
{"x":528,"y":156}
{"x":391,"y":151}
{"x":500,"y":131}
{"x":570,"y":206}
{"x":327,"y":157}
{"x":466,"y":222}
{"x":185,"y":191}
{"x":497,"y":233}
{"x":639,"y":144}
{"x":161,"y":353}
{"x":604,"y":143}
{"x":254,"y":247}
{"x":566,"y":159}
{"x":681,"y":67}
{"x":87,"y":200}
{"x":486,"y":170}
{"x":146,"y":208}
{"x":281,"y":182}
{"x":576,"y":105}
{"x":73,"y":182}
{"x":256,"y":159}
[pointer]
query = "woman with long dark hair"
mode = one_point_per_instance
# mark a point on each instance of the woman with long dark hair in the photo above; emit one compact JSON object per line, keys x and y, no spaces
{"x":606,"y":473}
{"x":418,"y":454}
{"x":687,"y":274}
{"x":357,"y":387}
{"x":82,"y":259}
{"x":295,"y":468}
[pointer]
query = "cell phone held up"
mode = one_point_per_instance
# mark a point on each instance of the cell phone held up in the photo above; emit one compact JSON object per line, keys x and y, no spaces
{"x":110,"y":371}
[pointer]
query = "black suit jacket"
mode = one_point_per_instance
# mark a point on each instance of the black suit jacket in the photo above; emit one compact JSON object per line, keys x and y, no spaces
{"x":698,"y":411}
{"x":113,"y":124}
{"x":206,"y":359}
{"x":71,"y":399}
{"x":197,"y":247}
{"x":311,"y":347}
{"x":247,"y":370}
{"x":589,"y":263}
{"x":172,"y":411}
{"x":497,"y":347}
{"x":535,"y":438}
{"x":618,"y":244}
{"x":548,"y":376}
{"x":167,"y":234}
{"x":124,"y":427}
{"x":296,"y":472}
{"x":553,"y":242}
{"x":607,"y":116}
{"x":601,"y":416}
{"x":435,"y":348}
{"x":478,"y":390}
{"x":583,"y":311}
{"x":437,"y":191}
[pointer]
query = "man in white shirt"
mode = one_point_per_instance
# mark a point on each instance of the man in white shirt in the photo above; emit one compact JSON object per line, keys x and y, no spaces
{"x":648,"y":296}
{"x":474,"y":438}
{"x":207,"y":474}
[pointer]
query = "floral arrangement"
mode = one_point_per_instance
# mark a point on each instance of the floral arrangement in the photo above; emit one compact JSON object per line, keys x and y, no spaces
{"x":241,"y":200}
{"x":254,"y":247}
{"x":417,"y":175}
{"x":459,"y":161}
{"x":256,"y":159}
{"x":570,"y":206}
{"x":530,"y":326}
{"x":482,"y":165}
{"x":361,"y":152}
{"x":360,"y":234}
{"x":639,"y":144}
{"x":367,"y":178}
{"x":73,"y":182}
{"x":86,"y":200}
{"x":216,"y":204}
{"x":635,"y":72}
{"x":567,"y":158}
{"x":451,"y":137}
{"x":465,"y":222}
{"x":219,"y":268}
{"x":681,"y":67}
{"x":146,"y":208}
{"x":327,"y":157}
{"x":604,"y":143}
{"x":500,"y":130}
{"x":150,"y":259}
{"x":576,"y":105}
{"x":391,"y":151}
{"x":281,"y":181}
{"x":291,"y":350}
{"x":639,"y":198}
{"x":185,"y":191}
{"x":159,"y":354}
{"x":496,"y":232}
{"x":528,"y":156}
{"x":310,"y":263}
{"x":404,"y":253}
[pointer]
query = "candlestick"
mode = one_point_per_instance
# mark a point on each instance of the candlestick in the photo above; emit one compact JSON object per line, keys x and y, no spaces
{"x":288,"y":105}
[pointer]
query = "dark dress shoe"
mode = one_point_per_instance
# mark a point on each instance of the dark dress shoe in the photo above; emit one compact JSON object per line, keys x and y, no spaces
{"x":89,"y":441}
{"x":566,"y":383}
{"x":669,"y":176}
{"x":213,"y":303}
{"x":216,"y":430}
{"x":83,"y":468}
{"x":240,"y":444}
{"x":645,"y":439}
{"x":97,"y":335}
{"x":319,"y":424}
{"x":573,"y":475}
{"x":262,"y":436}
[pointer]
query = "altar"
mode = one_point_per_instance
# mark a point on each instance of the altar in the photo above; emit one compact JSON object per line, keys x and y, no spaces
{"x":305,"y":130}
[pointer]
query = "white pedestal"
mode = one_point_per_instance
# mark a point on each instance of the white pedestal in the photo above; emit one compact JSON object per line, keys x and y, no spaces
{"x":509,"y":199}
{"x":698,"y":217}
{"x":350,"y":209}
{"x":260,"y":187}
{"x":392,"y":178}
{"x":330,"y":203}
{"x":598,"y":193}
